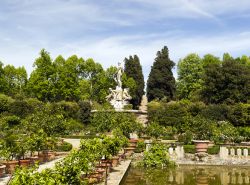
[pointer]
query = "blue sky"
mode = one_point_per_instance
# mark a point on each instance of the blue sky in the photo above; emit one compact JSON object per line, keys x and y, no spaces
{"x":109,"y":30}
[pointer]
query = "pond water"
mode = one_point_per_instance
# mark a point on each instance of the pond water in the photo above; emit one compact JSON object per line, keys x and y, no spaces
{"x":189,"y":175}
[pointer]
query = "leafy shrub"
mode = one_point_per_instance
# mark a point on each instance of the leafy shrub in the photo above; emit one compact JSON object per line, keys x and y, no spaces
{"x":217,"y":112}
{"x":5,"y":102}
{"x":69,"y":109}
{"x":186,"y":137}
{"x":104,"y":121}
{"x":196,"y":108}
{"x":140,"y":147}
{"x":157,"y":156}
{"x":213,"y":150}
{"x":84,"y":111}
{"x":155,"y":130}
{"x":239,"y":114}
{"x":64,"y":146}
{"x":244,"y":132}
{"x":20,"y":108}
{"x":73,"y":126}
{"x":189,"y":149}
{"x":224,"y":132}
{"x":167,"y":114}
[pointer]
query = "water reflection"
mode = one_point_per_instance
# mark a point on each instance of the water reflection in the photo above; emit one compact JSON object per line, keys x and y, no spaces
{"x":189,"y":175}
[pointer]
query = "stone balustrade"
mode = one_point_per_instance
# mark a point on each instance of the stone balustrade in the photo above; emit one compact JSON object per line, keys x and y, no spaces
{"x":234,"y":152}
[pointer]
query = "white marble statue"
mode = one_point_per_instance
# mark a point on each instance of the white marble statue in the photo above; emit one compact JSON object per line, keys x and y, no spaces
{"x":118,"y":97}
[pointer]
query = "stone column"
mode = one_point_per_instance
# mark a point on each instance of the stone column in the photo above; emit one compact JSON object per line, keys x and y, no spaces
{"x":179,"y":151}
{"x":170,"y":151}
{"x":232,"y":152}
{"x":223,"y":152}
{"x":245,"y":152}
{"x":239,"y":152}
{"x":148,"y":144}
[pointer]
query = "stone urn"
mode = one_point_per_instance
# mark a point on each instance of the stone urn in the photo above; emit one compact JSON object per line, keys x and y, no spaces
{"x":201,"y":146}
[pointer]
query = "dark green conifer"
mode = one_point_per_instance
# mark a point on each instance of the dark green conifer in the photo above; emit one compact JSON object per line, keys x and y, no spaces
{"x":161,"y":82}
{"x":133,"y":69}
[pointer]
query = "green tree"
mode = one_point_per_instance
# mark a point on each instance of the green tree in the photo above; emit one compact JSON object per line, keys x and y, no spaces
{"x":226,"y":83}
{"x":189,"y":76}
{"x":65,"y":78}
{"x":3,"y":83}
{"x":133,"y":69}
{"x":16,"y":79}
{"x":40,"y":82}
{"x":161,"y":82}
{"x":90,"y":72}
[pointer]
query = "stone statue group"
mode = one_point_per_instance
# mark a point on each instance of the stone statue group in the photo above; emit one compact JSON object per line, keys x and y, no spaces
{"x":118,"y":97}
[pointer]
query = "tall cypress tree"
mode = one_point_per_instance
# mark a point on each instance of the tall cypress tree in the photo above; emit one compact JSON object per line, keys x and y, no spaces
{"x":133,"y":69}
{"x":161,"y":82}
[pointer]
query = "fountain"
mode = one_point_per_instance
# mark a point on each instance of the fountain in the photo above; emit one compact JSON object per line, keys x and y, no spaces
{"x":118,"y":97}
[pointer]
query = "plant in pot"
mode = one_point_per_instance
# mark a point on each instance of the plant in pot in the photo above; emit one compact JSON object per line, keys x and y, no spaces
{"x":2,"y":166}
{"x":9,"y":150}
{"x":22,"y":149}
{"x":203,"y":132}
{"x":48,"y":145}
{"x":92,"y":150}
{"x":34,"y":143}
{"x":112,"y":146}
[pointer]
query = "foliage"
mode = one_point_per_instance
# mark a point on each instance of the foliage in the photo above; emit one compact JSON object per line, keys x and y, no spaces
{"x":189,"y":149}
{"x":161,"y":82}
{"x":167,"y":114}
{"x":140,"y":146}
{"x":239,"y":114}
{"x":157,"y":156}
{"x":104,"y":121}
{"x":155,"y":130}
{"x":186,"y":137}
{"x":224,"y":132}
{"x":226,"y":83}
{"x":16,"y":79}
{"x":40,"y":83}
{"x":133,"y":70}
{"x":244,"y":132}
{"x":64,"y":146}
{"x":5,"y":102}
{"x":84,"y":112}
{"x":215,"y":112}
{"x":211,"y":150}
{"x":20,"y":108}
{"x":189,"y":76}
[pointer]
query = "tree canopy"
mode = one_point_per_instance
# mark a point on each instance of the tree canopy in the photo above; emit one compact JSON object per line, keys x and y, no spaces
{"x":161,"y":82}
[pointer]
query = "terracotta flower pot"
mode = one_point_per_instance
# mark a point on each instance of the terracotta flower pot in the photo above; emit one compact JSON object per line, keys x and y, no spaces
{"x":133,"y":143}
{"x":115,"y":161}
{"x":2,"y":170}
{"x":33,"y":160}
{"x":10,"y":166}
{"x":24,"y":162}
{"x":201,"y":146}
{"x":46,"y":156}
{"x":129,"y":151}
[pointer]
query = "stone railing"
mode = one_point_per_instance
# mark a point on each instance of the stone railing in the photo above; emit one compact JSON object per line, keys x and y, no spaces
{"x":234,"y":152}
